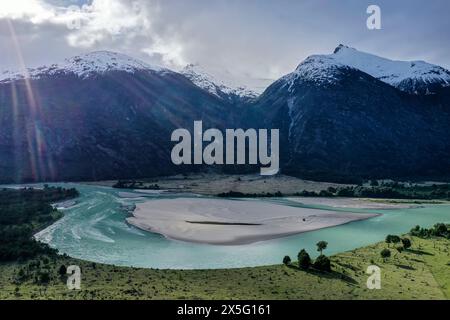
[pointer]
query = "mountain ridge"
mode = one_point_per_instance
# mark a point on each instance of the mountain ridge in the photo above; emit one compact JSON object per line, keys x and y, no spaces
{"x":414,"y":77}
{"x":83,"y":66}
{"x":203,"y":79}
{"x":113,"y":120}
{"x":342,"y":124}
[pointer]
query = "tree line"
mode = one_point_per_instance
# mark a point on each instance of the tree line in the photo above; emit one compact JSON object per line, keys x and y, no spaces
{"x":23,"y":212}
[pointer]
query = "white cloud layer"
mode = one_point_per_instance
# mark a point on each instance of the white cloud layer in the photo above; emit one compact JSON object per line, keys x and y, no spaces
{"x":102,"y":24}
{"x":254,"y":41}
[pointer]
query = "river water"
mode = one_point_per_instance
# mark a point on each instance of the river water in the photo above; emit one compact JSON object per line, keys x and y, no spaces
{"x":95,"y":229}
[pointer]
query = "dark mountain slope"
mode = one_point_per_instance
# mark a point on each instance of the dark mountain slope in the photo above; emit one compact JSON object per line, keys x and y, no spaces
{"x":343,"y":124}
{"x":112,"y":125}
{"x":108,"y":116}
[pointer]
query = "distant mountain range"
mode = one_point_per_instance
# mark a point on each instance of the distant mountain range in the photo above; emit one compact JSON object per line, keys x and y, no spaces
{"x":343,"y":117}
{"x":204,"y":80}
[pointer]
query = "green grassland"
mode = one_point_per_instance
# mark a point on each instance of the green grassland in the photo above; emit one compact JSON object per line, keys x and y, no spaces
{"x":422,"y":272}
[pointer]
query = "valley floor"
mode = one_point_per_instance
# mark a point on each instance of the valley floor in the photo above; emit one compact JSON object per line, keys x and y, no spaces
{"x":255,"y":185}
{"x":423,"y":272}
{"x":213,"y":184}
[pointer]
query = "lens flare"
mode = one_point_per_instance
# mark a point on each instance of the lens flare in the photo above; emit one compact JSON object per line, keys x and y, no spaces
{"x":40,"y":162}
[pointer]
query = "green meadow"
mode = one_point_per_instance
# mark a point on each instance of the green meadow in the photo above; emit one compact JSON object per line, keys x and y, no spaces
{"x":422,"y":272}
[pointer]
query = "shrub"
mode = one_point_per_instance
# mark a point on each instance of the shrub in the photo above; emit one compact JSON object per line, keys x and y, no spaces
{"x":322,"y":263}
{"x":440,"y":230}
{"x":44,"y":278}
{"x":286,"y":260}
{"x":392,"y":239}
{"x":62,"y":270}
{"x":385,"y":253}
{"x":406,"y":243}
{"x":304,"y":260}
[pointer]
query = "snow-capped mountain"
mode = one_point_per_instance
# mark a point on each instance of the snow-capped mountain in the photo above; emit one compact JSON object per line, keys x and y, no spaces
{"x":417,"y":77}
{"x":85,"y":65}
{"x":107,"y":116}
{"x":100,"y":62}
{"x":98,"y":115}
{"x":219,"y":88}
{"x":338,"y":121}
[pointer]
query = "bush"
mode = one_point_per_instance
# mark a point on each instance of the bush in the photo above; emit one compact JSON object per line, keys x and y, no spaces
{"x":44,"y":278}
{"x":385,"y":253}
{"x":392,"y":239}
{"x":62,"y":270}
{"x":374,"y":183}
{"x":406,"y":243}
{"x":322,"y":263}
{"x":440,"y":230}
{"x":345,"y":192}
{"x":304,"y":260}
{"x":286,"y":260}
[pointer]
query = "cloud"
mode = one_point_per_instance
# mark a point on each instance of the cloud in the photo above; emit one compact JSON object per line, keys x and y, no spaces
{"x":122,"y":25}
{"x":254,"y":41}
{"x":34,"y":11}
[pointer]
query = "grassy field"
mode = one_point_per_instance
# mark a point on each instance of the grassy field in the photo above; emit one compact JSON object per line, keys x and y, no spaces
{"x":213,"y":184}
{"x":423,"y":272}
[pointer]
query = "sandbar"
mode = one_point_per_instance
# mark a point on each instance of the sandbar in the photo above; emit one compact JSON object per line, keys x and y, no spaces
{"x":232,"y":222}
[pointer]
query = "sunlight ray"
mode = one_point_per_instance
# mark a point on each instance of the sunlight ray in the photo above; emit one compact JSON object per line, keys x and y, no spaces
{"x":39,"y":161}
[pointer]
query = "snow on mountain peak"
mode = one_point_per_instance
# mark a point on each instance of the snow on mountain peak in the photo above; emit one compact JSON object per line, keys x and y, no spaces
{"x":84,"y":66}
{"x":206,"y":81}
{"x":321,"y":68}
{"x":103,"y":61}
{"x":409,"y":76}
{"x":396,"y":73}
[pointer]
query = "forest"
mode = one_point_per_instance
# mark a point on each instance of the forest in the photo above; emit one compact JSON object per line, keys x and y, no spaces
{"x":23,"y":212}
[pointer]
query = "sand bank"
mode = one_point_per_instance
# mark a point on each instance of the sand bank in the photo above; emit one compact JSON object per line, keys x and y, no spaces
{"x":351,"y":203}
{"x":232,"y":222}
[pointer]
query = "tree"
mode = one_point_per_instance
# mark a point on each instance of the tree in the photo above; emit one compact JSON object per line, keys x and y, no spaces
{"x":374,"y":183}
{"x":406,"y":243}
{"x":345,"y":192}
{"x":304,"y":260}
{"x":44,"y":278}
{"x":385,"y":253}
{"x":415,"y":231}
{"x":440,"y":230}
{"x":322,"y":263}
{"x":62,"y":270}
{"x":21,"y":275}
{"x":332,"y":190}
{"x":325,"y":193}
{"x":396,"y":239}
{"x":321,"y":245}
{"x":286,"y":260}
{"x":392,"y":239}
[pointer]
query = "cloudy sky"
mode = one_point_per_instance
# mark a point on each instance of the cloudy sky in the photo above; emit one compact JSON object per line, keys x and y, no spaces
{"x":249,"y":40}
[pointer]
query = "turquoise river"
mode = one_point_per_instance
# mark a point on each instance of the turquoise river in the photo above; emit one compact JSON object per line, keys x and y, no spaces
{"x":95,"y":229}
